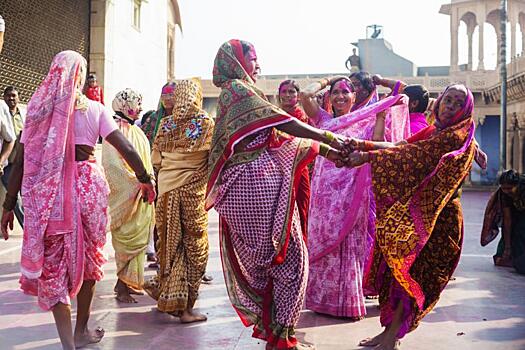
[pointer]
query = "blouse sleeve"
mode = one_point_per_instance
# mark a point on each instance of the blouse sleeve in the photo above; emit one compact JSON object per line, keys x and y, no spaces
{"x":106,"y":123}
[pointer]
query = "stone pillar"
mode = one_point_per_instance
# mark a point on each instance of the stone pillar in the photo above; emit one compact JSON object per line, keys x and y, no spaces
{"x":481,"y":49}
{"x":454,"y":26}
{"x":470,"y":33}
{"x":513,"y":38}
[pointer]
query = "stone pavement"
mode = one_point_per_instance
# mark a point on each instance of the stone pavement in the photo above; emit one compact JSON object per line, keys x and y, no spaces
{"x":484,"y":308}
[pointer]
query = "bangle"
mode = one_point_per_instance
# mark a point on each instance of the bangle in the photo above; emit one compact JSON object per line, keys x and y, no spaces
{"x":144,"y":178}
{"x":364,"y":157}
{"x":9,"y":202}
{"x":324,"y":149}
{"x":367,"y":146}
{"x":330,"y":137}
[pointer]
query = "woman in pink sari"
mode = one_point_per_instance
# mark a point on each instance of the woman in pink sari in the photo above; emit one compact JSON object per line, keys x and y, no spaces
{"x":65,"y":196}
{"x":342,"y":213}
{"x":254,"y":173}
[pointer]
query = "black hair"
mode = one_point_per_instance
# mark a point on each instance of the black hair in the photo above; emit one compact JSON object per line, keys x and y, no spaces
{"x":146,"y":116}
{"x":418,"y":93}
{"x":509,"y":177}
{"x":9,"y":89}
{"x":366,"y":80}
{"x":288,"y":82}
{"x":92,"y":77}
{"x":338,"y":80}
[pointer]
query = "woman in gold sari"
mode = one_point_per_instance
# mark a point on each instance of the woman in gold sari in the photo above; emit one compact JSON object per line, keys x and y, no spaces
{"x":180,"y":156}
{"x":419,"y":225}
{"x":132,"y":219}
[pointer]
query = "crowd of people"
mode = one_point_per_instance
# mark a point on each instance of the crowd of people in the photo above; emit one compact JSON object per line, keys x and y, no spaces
{"x":310,"y":213}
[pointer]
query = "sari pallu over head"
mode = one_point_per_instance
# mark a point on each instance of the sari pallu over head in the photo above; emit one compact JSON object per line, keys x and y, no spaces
{"x":151,"y":126}
{"x":49,"y":181}
{"x":434,"y":167}
{"x":189,"y":128}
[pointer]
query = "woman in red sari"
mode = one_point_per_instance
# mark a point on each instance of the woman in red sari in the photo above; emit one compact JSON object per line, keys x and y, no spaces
{"x":254,"y":172}
{"x":289,"y":102}
{"x":419,"y":225}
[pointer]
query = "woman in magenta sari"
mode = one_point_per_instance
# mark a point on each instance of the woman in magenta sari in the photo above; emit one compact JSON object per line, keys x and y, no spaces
{"x":341,"y":213}
{"x":65,"y":196}
{"x":419,"y":225}
{"x":254,"y":172}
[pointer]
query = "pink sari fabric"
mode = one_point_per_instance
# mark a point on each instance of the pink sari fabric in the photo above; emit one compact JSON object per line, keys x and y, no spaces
{"x":418,"y":122}
{"x":340,"y":243}
{"x":60,"y":255}
{"x":51,"y":178}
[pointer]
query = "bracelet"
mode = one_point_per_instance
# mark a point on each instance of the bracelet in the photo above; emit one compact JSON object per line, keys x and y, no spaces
{"x":324,"y":149}
{"x":144,"y":178}
{"x":367,"y":146}
{"x":329,"y":136}
{"x":9,"y":202}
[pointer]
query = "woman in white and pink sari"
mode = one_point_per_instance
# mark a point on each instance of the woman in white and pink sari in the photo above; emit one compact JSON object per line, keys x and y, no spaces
{"x":342,"y":212}
{"x":65,"y":196}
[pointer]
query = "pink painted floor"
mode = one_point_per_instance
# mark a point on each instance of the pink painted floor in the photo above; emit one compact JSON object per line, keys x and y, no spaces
{"x":484,"y":308}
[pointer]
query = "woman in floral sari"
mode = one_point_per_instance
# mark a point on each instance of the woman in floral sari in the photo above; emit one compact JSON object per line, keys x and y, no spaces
{"x":180,"y":157}
{"x":342,"y":213}
{"x":65,"y":196}
{"x":419,"y":225}
{"x":254,"y":173}
{"x":132,"y":219}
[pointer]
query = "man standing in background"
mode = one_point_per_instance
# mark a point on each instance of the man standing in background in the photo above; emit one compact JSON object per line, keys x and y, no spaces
{"x":16,"y":118}
{"x":94,"y":91}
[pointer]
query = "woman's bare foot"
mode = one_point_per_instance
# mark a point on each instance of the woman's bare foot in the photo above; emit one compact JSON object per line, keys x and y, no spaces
{"x":134,"y":291}
{"x":303,"y":346}
{"x":372,"y":341}
{"x":123,"y":293}
{"x":190,"y":316}
{"x":89,"y":337}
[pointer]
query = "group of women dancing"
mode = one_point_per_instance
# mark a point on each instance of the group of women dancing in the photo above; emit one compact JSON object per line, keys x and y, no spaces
{"x":312,"y":211}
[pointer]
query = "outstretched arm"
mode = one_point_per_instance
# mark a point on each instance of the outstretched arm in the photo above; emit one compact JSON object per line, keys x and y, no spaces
{"x":130,"y":155}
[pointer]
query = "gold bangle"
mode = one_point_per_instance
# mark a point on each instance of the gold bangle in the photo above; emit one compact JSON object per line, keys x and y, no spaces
{"x":329,"y":136}
{"x":324,"y":149}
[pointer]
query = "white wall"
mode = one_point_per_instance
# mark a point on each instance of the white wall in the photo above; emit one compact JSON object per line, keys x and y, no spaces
{"x":135,"y":58}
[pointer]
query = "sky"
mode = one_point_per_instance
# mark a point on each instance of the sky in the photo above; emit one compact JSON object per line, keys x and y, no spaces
{"x":308,"y":36}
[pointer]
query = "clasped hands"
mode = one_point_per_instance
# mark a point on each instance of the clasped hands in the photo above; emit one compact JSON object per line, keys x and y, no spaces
{"x":346,"y":152}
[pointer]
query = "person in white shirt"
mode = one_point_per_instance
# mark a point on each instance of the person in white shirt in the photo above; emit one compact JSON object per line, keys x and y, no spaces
{"x":7,"y":135}
{"x":2,"y":30}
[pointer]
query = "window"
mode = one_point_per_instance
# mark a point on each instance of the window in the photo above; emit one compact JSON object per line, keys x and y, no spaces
{"x":136,"y":13}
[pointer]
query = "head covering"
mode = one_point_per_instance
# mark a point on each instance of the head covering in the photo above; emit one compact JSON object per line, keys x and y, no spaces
{"x":189,"y":128}
{"x":128,"y":104}
{"x":50,"y":174}
{"x":151,"y":126}
{"x":229,"y":63}
{"x":465,"y":111}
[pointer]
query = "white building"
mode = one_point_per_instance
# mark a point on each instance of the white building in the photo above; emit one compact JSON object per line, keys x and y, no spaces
{"x":132,"y":44}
